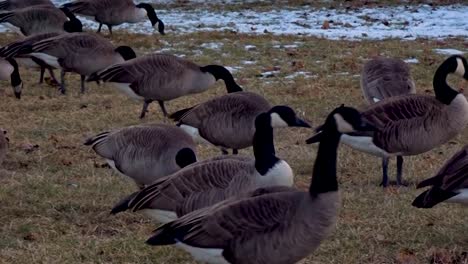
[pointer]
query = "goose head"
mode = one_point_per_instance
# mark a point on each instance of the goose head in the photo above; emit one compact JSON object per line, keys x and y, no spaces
{"x":73,"y":24}
{"x":126,"y":52}
{"x":284,"y":116}
{"x":151,"y":13}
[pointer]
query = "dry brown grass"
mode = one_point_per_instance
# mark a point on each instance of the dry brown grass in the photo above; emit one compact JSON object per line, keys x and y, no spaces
{"x":55,"y":200}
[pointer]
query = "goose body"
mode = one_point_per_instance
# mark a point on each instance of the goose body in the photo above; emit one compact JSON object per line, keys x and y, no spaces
{"x":145,"y":153}
{"x":227,"y":121}
{"x":450,"y":184}
{"x":272,"y":226}
{"x":414,"y":124}
{"x":8,"y":5}
{"x":116,"y":12}
{"x":163,"y":77}
{"x":3,"y":145}
{"x":9,"y":71}
{"x":40,"y":19}
{"x":82,"y":53}
{"x":208,"y":182}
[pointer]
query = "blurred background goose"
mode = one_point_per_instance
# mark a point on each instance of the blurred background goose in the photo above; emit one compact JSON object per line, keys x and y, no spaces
{"x":82,"y":53}
{"x":31,"y":62}
{"x":41,"y":19}
{"x":271,"y":227}
{"x":450,"y":184}
{"x":163,"y":77}
{"x":9,"y":71}
{"x":227,"y":121}
{"x":116,"y":12}
{"x":382,"y":78}
{"x":208,"y":182}
{"x":145,"y":153}
{"x":8,"y":5}
{"x":3,"y":145}
{"x":414,"y":124}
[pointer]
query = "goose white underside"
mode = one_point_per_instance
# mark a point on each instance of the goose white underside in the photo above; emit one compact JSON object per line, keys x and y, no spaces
{"x":375,"y":99}
{"x":50,"y":60}
{"x":461,"y":197}
{"x":194,"y":133}
{"x":365,"y":144}
{"x":13,"y":28}
{"x":162,"y":216}
{"x":125,"y":88}
{"x":204,"y":255}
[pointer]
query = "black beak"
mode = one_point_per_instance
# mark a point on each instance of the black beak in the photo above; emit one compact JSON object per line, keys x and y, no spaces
{"x":161,"y":27}
{"x":300,"y":123}
{"x":18,"y":95}
{"x":315,"y":138}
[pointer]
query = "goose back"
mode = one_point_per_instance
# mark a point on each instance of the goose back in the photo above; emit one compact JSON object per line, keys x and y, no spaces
{"x":13,"y":49}
{"x":110,"y":12}
{"x":17,"y":4}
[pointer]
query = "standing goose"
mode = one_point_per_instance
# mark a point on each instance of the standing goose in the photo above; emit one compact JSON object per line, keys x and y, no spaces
{"x":8,"y":5}
{"x":3,"y":145}
{"x":145,"y":153}
{"x":41,"y":19}
{"x":9,"y":71}
{"x":11,"y":51}
{"x":208,"y":182}
{"x":163,"y":77}
{"x":269,"y":227}
{"x":227,"y":121}
{"x":116,"y":12}
{"x":413,"y":124}
{"x":450,"y":184}
{"x":82,"y":53}
{"x":382,"y":78}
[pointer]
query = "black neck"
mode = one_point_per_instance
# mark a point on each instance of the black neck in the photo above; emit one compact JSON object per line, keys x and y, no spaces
{"x":15,"y":75}
{"x":263,"y":146}
{"x":324,"y":173}
{"x":219,"y":72}
{"x":443,"y":92}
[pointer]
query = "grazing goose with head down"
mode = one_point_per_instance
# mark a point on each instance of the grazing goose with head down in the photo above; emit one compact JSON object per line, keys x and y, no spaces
{"x":226,"y":121}
{"x":41,"y":19}
{"x":145,"y":153}
{"x":82,"y":53}
{"x":116,"y":12}
{"x":9,"y":71}
{"x":163,"y":77}
{"x":382,"y":78}
{"x":3,"y":145}
{"x":8,"y":5}
{"x":413,"y":124}
{"x":450,"y":184}
{"x":11,"y":51}
{"x":208,"y":182}
{"x":270,"y":226}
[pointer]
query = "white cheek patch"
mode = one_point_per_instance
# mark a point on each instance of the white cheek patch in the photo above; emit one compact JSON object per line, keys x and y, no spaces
{"x":277,"y":121}
{"x":375,"y":99}
{"x":342,"y":125}
{"x":460,"y":68}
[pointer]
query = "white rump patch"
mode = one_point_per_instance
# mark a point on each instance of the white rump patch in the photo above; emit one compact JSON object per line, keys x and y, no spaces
{"x":342,"y":125}
{"x":460,"y":68}
{"x":365,"y":144}
{"x":112,"y":165}
{"x":162,"y":216}
{"x":375,"y":99}
{"x":280,"y":174}
{"x":13,"y":28}
{"x":461,"y":197}
{"x":204,"y":255}
{"x":51,"y":60}
{"x":125,"y":88}
{"x":277,"y":121}
{"x":194,"y":133}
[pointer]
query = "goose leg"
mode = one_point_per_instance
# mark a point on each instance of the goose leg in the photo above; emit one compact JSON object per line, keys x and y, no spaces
{"x":235,"y":151}
{"x":62,"y":81}
{"x":384,"y":172}
{"x":52,"y":75}
{"x":163,"y":108}
{"x":110,"y":29}
{"x":400,"y":171}
{"x":99,"y":28}
{"x":145,"y":108}
{"x":83,"y":78}
{"x":41,"y":77}
{"x":224,"y":151}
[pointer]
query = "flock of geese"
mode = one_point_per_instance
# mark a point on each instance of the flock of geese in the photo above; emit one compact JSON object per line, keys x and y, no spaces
{"x":233,"y":208}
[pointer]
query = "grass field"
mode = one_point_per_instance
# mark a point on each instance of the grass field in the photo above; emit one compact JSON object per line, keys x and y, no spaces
{"x":55,"y":198}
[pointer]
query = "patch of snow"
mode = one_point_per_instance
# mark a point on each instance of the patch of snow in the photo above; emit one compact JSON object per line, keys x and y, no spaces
{"x":449,"y":51}
{"x":212,"y":45}
{"x":411,"y":60}
{"x":250,"y":47}
{"x":233,"y":69}
{"x":289,"y":46}
{"x":305,"y":75}
{"x":268,"y":74}
{"x":246,"y":62}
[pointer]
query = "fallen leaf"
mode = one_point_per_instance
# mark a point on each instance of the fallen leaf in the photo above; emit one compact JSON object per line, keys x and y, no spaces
{"x":326,"y":24}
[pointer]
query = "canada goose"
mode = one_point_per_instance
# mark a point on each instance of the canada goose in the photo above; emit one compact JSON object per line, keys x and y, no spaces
{"x":82,"y":53}
{"x":11,"y":51}
{"x":382,"y":78}
{"x":9,"y":71}
{"x":3,"y":145}
{"x":227,"y":121}
{"x":41,"y":19}
{"x":163,"y":77}
{"x":270,"y":227}
{"x":450,"y":184}
{"x":116,"y":12}
{"x":413,"y":124}
{"x":145,"y":153}
{"x":8,"y":5}
{"x":208,"y":182}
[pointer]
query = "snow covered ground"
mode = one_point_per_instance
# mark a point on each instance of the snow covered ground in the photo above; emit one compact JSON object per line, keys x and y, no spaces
{"x":367,"y":23}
